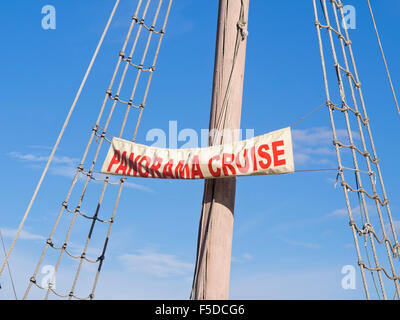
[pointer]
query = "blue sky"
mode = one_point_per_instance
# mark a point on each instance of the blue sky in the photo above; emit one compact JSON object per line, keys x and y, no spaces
{"x":291,"y":236}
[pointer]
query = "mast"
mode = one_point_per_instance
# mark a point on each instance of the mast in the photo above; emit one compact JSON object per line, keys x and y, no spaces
{"x":212,"y":272}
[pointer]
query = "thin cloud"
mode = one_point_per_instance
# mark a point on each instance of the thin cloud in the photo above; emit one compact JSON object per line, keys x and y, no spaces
{"x":36,"y":158}
{"x":40,"y":147}
{"x":24,"y":235}
{"x":156,"y":264}
{"x":320,"y":135}
{"x":314,"y":145}
{"x":308,"y":245}
{"x":244,"y":257}
{"x":63,"y":171}
{"x":136,"y":186}
{"x":342,"y":212}
{"x":30,"y":236}
{"x":64,"y":167}
{"x":355,"y":211}
{"x":396,"y":226}
{"x":247,"y":256}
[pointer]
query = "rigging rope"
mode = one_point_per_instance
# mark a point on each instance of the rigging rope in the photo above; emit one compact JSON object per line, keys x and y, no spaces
{"x":383,"y":57}
{"x":8,"y":266}
{"x":362,"y":120}
{"x":91,"y":168}
{"x":218,"y":125}
{"x":241,"y":36}
{"x":363,"y":218}
{"x":88,"y":174}
{"x":307,"y":115}
{"x":50,"y":159}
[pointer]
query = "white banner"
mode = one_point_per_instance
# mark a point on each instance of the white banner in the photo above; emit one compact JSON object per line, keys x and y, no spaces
{"x":271,"y":153}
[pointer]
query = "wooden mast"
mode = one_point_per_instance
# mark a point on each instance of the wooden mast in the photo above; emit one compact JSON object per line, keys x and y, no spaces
{"x":212,"y":273}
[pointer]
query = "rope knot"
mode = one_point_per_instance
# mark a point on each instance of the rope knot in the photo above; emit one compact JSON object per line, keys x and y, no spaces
{"x":368,"y":228}
{"x":331,"y":105}
{"x":339,"y":5}
{"x":375,"y":161}
{"x":341,"y":37}
{"x":345,"y":107}
{"x":394,"y":248}
{"x":242,"y":26}
{"x":352,"y":223}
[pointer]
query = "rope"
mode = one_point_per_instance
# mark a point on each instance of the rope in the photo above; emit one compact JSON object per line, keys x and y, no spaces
{"x":343,"y":98}
{"x":60,"y":135}
{"x":367,"y":126}
{"x":117,"y":68}
{"x":363,"y":218}
{"x":202,"y":248}
{"x":97,"y":153}
{"x":317,"y":170}
{"x":138,"y":75}
{"x":242,"y":34}
{"x":8,"y":266}
{"x":307,"y":115}
{"x":122,"y":129}
{"x":88,"y":173}
{"x":370,"y":158}
{"x":383,"y":57}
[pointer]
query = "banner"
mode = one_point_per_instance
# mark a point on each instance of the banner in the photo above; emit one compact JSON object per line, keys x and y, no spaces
{"x":271,"y":153}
